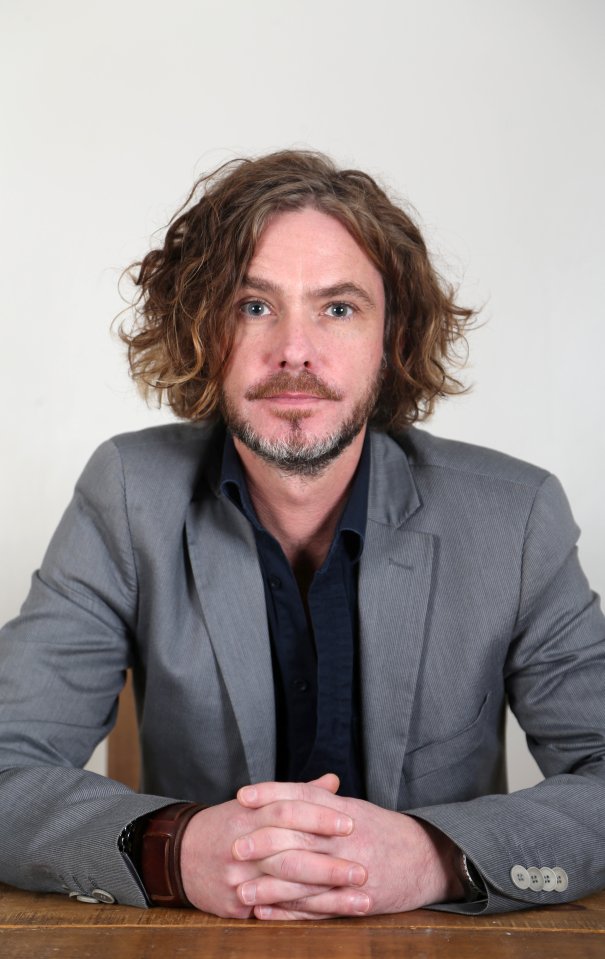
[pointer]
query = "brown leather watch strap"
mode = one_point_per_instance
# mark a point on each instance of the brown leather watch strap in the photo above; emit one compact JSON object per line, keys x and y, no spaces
{"x":157,"y":853}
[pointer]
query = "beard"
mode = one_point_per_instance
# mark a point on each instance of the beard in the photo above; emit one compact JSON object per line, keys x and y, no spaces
{"x":299,"y":453}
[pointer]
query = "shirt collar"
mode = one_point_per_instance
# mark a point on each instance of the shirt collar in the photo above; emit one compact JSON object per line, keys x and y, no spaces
{"x":352,"y":525}
{"x":233,"y":482}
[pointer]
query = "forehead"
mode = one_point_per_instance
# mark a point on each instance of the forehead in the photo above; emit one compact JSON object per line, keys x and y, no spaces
{"x":313,"y":245}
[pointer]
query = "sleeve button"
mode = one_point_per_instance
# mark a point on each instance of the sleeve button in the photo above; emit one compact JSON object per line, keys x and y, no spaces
{"x":520,"y":877}
{"x":562,"y":879}
{"x":549,"y":879}
{"x":103,"y":896}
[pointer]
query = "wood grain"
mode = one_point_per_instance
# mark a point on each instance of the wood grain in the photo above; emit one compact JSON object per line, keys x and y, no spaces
{"x":46,"y":926}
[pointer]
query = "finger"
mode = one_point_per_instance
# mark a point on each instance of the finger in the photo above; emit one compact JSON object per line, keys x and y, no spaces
{"x":329,"y":781}
{"x":313,"y":868}
{"x":330,"y":903}
{"x":264,"y":890}
{"x":278,"y":914}
{"x":269,"y":840}
{"x":290,"y":817}
{"x":261,"y":794}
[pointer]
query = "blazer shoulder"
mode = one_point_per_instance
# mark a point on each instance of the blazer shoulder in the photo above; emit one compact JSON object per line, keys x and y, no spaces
{"x":176,"y":453}
{"x":162,"y":465}
{"x":428,"y":452}
{"x":181,"y":439}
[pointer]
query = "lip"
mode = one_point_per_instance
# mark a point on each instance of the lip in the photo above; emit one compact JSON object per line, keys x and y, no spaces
{"x":293,"y":398}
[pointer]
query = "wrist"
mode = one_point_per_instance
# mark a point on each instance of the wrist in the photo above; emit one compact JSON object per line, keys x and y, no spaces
{"x":155,"y":850}
{"x":447,"y":876}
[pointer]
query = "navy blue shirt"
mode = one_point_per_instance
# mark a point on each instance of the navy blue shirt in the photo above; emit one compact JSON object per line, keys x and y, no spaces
{"x":314,"y":650}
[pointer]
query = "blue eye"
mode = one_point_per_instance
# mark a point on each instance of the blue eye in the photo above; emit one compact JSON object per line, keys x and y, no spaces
{"x":341,"y":311}
{"x":254,"y":308}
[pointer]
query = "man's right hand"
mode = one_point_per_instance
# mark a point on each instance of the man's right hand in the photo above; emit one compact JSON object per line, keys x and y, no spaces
{"x":212,"y":877}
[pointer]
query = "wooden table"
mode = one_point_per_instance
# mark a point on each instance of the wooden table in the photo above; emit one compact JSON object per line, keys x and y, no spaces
{"x":41,"y":926}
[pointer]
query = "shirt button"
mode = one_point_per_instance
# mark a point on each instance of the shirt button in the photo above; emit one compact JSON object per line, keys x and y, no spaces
{"x":520,"y":877}
{"x":300,"y":685}
{"x":91,"y":899}
{"x":274,"y":582}
{"x":536,"y":879}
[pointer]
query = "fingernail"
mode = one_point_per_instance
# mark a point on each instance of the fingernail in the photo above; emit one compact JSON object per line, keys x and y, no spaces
{"x":356,"y":876}
{"x":248,"y":893}
{"x":264,"y":912}
{"x":360,"y":902}
{"x":344,"y":825}
{"x":248,"y":793}
{"x":243,"y":847}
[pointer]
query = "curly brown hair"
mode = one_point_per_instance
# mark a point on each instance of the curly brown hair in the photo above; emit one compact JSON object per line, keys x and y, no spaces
{"x":183,"y":326}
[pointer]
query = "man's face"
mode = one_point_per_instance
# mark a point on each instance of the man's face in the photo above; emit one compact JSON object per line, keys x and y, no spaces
{"x":304,"y":372}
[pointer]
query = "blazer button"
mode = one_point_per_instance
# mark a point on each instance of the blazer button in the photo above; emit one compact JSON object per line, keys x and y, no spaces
{"x":520,"y":877}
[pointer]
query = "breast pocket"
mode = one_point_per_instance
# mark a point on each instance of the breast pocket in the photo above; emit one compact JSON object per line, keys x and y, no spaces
{"x":446,"y":752}
{"x":449,"y":769}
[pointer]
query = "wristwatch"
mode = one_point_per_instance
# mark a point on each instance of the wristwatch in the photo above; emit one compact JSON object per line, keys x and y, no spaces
{"x":474,"y":887}
{"x":153,"y":844}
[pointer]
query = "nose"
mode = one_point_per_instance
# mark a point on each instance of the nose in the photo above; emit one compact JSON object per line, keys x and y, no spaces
{"x":294,"y":347}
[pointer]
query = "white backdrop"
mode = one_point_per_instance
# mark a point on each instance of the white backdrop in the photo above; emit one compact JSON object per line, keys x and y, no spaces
{"x":486,"y":114}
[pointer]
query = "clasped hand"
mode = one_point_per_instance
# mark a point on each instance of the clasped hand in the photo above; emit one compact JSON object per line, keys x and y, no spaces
{"x":299,"y":851}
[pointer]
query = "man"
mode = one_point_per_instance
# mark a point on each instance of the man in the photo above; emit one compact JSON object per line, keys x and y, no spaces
{"x":324,"y":620}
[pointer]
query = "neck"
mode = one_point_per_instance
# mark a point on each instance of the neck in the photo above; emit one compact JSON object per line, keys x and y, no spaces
{"x":301,"y":512}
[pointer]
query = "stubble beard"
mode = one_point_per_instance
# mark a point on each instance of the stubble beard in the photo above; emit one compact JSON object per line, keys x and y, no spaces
{"x":299,"y":453}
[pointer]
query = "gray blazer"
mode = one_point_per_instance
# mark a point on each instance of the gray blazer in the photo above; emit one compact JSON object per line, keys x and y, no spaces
{"x":470,"y":594}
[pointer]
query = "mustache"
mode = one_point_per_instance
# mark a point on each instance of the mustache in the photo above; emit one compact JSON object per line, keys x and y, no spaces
{"x":282,"y":382}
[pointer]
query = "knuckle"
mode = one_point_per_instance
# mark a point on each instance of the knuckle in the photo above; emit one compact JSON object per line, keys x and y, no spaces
{"x":240,"y":824}
{"x":295,"y":905}
{"x":337,"y":874}
{"x":234,"y":875}
{"x":285,"y":812}
{"x":266,"y":842}
{"x":290,"y":866}
{"x":269,"y":843}
{"x":234,"y":910}
{"x":243,"y":912}
{"x":309,"y":839}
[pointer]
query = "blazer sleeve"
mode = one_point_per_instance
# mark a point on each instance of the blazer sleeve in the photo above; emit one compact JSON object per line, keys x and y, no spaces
{"x":62,"y":666}
{"x":555,"y":678}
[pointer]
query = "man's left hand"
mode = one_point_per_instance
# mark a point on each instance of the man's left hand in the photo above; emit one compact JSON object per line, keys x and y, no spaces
{"x":409,"y":863}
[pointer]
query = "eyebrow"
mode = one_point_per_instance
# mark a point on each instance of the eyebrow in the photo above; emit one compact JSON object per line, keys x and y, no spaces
{"x":324,"y":292}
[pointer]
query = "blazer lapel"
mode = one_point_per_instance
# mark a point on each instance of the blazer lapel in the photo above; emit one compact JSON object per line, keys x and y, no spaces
{"x":230,"y":589}
{"x":394,"y":588}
